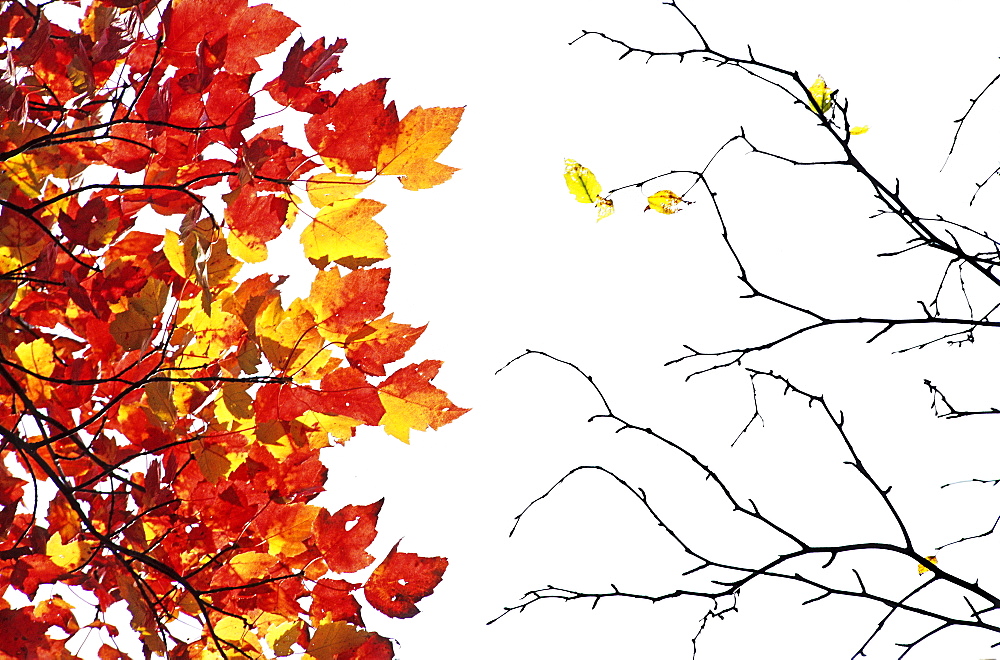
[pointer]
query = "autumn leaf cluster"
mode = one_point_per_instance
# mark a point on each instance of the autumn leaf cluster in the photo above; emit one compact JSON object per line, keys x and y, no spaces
{"x":162,"y":417}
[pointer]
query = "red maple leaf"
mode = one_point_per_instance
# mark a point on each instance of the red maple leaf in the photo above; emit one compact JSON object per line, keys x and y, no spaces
{"x":401,"y":580}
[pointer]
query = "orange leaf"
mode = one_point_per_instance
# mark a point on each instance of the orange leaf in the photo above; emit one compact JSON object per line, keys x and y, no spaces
{"x":411,"y":402}
{"x":423,"y":135}
{"x":344,"y":304}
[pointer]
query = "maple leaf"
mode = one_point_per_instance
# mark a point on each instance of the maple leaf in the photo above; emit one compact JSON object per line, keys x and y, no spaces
{"x":33,"y":570}
{"x":344,"y":536}
{"x":345,"y":232}
{"x":21,"y":635}
{"x":378,"y":343}
{"x":343,"y":304}
{"x":332,"y":601}
{"x":423,"y":135}
{"x":67,"y":556}
{"x":402,"y":579}
{"x":261,"y":29}
{"x":350,"y":134}
{"x":304,"y":68}
{"x":411,"y":402}
{"x":37,"y":359}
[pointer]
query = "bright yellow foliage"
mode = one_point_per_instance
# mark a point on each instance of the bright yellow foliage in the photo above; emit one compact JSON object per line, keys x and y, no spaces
{"x":820,"y":94}
{"x":664,"y":201}
{"x":345,"y":232}
{"x":37,"y":357}
{"x":581,"y":182}
{"x":67,"y":555}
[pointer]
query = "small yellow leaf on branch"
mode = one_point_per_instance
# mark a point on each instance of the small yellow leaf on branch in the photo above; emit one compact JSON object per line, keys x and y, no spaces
{"x":921,"y":569}
{"x":584,"y":186}
{"x":581,"y":182}
{"x":858,"y":130}
{"x":820,"y":94}
{"x":664,"y":201}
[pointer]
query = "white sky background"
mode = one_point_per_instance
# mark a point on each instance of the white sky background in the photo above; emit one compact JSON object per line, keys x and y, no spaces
{"x":501,"y":258}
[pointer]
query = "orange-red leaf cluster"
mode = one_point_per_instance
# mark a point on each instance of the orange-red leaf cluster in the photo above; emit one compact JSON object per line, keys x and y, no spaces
{"x":176,"y":409}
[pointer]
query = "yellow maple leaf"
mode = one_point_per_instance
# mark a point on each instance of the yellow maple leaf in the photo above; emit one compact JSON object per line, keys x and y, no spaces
{"x":346,"y":232}
{"x":37,"y":357}
{"x":291,"y":340}
{"x":57,"y":609}
{"x":858,"y":130}
{"x":423,"y":135}
{"x":182,"y":254}
{"x":246,"y":247}
{"x":66,"y":555}
{"x":159,"y":398}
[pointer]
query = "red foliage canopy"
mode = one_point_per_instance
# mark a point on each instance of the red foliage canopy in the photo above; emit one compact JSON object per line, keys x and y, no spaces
{"x":161,"y":419}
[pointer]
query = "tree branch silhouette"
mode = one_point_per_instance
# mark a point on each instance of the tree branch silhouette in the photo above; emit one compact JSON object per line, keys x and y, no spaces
{"x":968,"y":282}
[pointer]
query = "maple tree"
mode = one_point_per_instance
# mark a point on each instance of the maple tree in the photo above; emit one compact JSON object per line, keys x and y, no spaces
{"x":939,"y":594}
{"x":162,"y":418}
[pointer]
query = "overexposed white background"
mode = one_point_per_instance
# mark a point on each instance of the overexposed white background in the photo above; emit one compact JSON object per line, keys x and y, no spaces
{"x":501,"y":259}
